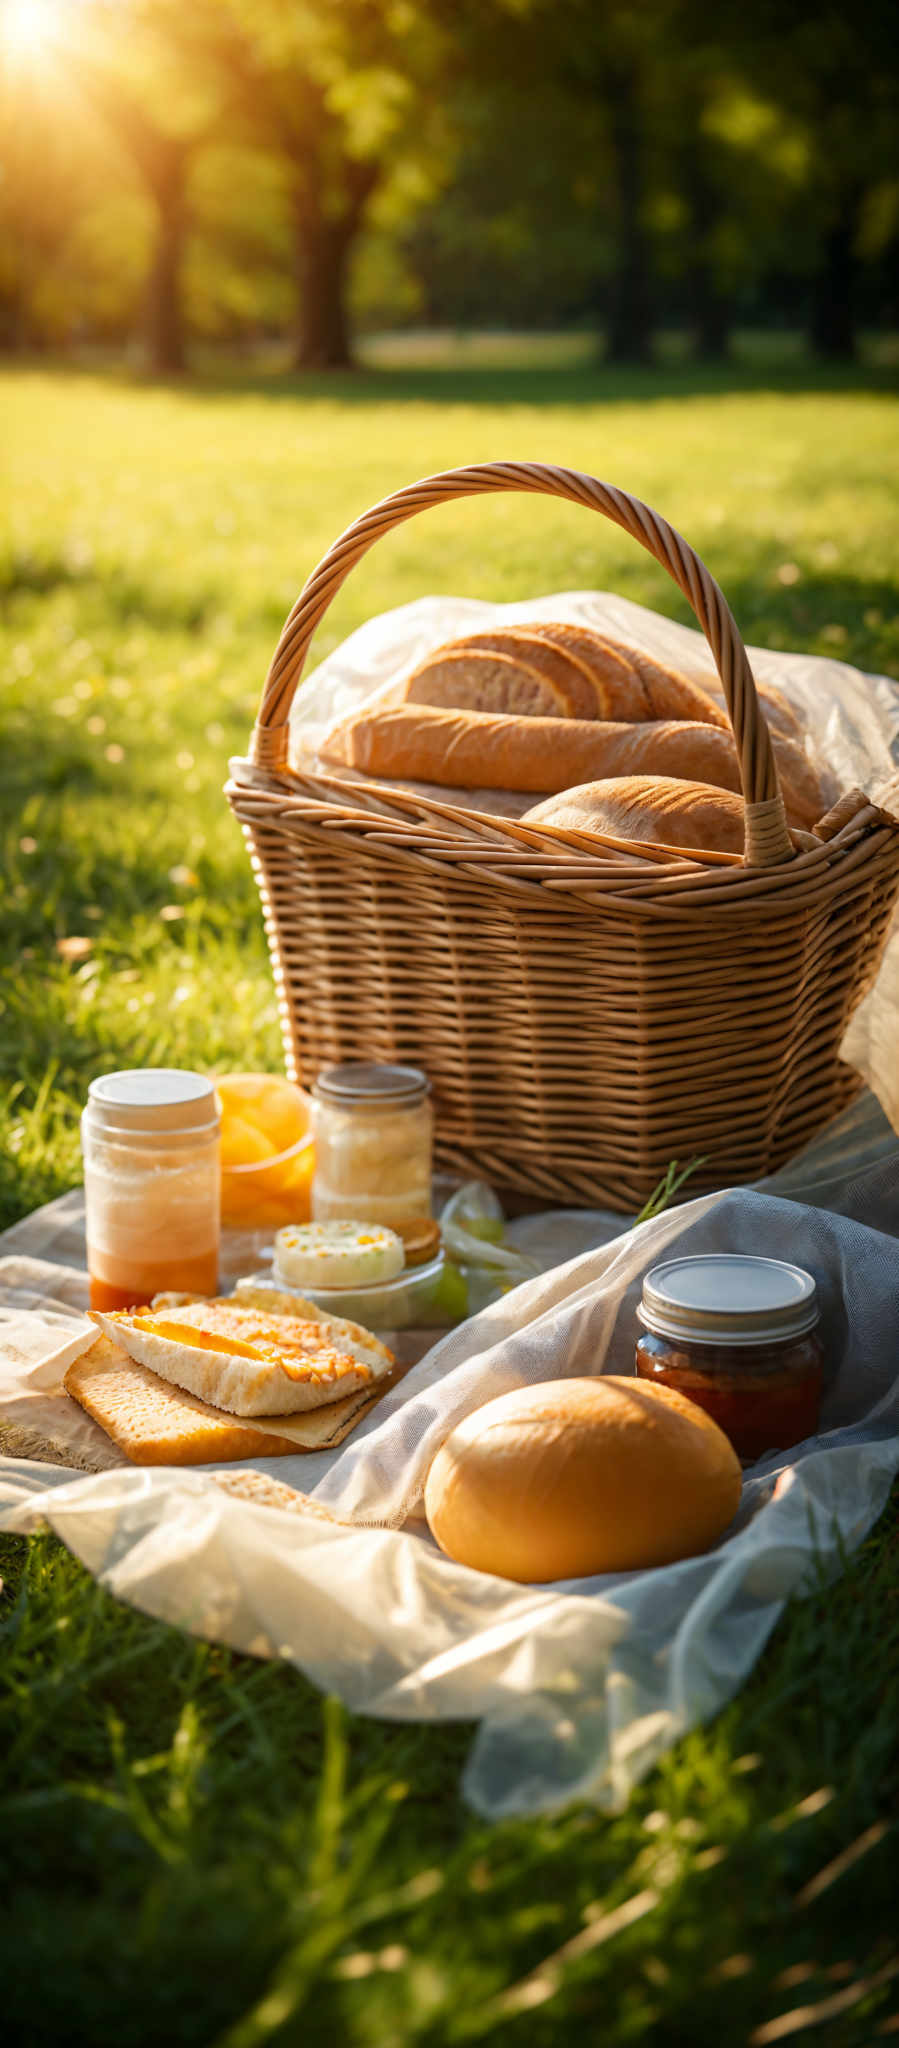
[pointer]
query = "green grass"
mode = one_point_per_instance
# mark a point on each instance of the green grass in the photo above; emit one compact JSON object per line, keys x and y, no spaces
{"x":195,"y":1849}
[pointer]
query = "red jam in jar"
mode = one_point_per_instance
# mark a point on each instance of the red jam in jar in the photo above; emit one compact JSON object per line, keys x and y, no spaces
{"x":737,"y":1335}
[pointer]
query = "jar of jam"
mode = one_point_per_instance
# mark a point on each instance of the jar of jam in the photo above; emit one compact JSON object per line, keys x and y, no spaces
{"x":737,"y":1335}
{"x":372,"y":1125}
{"x":150,"y":1142}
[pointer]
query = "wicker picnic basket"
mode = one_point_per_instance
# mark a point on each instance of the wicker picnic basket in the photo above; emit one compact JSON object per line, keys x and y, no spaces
{"x":583,"y":1020}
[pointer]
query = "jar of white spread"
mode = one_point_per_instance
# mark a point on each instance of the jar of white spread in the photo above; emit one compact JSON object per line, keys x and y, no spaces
{"x":373,"y":1136}
{"x":150,"y":1141}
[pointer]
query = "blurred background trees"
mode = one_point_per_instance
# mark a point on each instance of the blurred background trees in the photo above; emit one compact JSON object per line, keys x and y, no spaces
{"x":303,"y":171}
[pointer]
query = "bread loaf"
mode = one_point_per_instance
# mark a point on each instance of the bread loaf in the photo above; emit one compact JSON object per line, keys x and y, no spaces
{"x":580,"y":1476}
{"x":625,"y":676}
{"x":550,"y":670}
{"x":485,"y":750}
{"x":507,"y":670}
{"x":656,"y":808}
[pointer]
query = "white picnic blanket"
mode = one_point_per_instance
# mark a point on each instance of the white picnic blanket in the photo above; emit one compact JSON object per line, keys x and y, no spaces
{"x":577,"y":1688}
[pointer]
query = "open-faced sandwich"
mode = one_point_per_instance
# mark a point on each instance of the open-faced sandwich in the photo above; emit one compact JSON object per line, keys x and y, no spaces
{"x":210,"y":1381}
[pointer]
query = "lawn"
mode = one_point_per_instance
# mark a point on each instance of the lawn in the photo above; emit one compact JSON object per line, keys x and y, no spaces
{"x":195,"y":1848}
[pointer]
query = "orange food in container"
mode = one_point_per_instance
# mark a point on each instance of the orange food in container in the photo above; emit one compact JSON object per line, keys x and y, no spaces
{"x":267,"y":1152}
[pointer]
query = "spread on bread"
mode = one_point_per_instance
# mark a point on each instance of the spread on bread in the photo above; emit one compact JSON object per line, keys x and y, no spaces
{"x":150,"y":1422}
{"x":252,"y":1361}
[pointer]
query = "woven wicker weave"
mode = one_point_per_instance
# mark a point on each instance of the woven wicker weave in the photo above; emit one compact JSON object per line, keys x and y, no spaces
{"x":583,"y":1018}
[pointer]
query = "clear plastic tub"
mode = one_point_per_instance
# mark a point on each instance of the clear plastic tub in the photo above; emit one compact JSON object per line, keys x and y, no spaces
{"x":433,"y":1296}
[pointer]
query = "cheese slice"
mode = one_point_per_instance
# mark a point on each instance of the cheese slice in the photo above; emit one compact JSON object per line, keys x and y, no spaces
{"x":248,"y":1360}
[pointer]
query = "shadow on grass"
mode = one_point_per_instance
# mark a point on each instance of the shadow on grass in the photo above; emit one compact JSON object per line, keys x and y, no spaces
{"x":24,"y":574}
{"x":859,"y":608}
{"x":516,"y":384}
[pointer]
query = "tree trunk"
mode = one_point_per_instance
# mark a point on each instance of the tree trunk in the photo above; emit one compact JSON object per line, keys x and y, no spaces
{"x":833,"y":312}
{"x":710,"y":308}
{"x":321,"y":261}
{"x":164,"y":309}
{"x":630,"y":317}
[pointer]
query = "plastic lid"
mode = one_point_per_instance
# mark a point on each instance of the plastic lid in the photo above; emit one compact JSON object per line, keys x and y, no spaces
{"x":368,"y":1081}
{"x":729,"y":1298}
{"x":154,"y":1099}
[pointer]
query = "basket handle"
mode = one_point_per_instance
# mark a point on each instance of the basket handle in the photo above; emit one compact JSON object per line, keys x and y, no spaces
{"x":767,"y":838}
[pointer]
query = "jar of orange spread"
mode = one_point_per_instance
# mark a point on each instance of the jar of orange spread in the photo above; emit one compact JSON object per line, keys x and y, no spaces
{"x":737,"y":1335}
{"x":150,"y":1142}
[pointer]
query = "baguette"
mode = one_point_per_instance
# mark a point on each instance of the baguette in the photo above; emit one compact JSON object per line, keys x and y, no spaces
{"x":654,"y":808}
{"x":486,"y":750}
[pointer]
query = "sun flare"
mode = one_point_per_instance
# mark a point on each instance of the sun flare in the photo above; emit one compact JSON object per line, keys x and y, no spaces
{"x":29,"y":27}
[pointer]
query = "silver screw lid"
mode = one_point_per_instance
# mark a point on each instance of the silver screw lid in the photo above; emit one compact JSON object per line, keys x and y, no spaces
{"x":364,"y":1081}
{"x":729,"y":1298}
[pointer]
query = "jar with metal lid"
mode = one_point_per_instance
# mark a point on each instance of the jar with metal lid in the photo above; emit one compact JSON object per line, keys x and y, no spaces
{"x":737,"y":1335}
{"x":150,"y":1142}
{"x":373,"y":1137}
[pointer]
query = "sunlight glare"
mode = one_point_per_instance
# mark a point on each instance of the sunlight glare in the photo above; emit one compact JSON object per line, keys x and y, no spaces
{"x":28,"y":27}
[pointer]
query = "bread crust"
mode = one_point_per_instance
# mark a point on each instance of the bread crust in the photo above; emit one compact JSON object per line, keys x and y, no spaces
{"x":322,"y":1360}
{"x":633,"y":685}
{"x":582,"y":1476}
{"x":475,"y":679}
{"x":475,"y":672}
{"x":488,"y":750}
{"x":656,"y":808}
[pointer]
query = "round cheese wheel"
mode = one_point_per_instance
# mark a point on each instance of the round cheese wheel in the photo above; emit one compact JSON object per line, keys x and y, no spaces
{"x":572,"y":1477}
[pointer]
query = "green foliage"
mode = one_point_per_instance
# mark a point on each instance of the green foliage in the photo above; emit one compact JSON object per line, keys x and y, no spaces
{"x":196,"y":1848}
{"x":240,"y":168}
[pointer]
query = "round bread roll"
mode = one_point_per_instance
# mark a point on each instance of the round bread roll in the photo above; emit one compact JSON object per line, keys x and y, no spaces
{"x":578,"y":1476}
{"x":658,"y":808}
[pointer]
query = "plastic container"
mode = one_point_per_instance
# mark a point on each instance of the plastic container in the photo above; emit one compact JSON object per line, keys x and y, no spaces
{"x":737,"y":1335}
{"x":264,"y":1194}
{"x":150,"y":1142}
{"x":432,"y":1296}
{"x":373,"y":1130}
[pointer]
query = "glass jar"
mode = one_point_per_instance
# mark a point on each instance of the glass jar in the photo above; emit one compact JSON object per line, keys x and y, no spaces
{"x":373,"y":1135}
{"x":150,"y":1142}
{"x":737,"y":1335}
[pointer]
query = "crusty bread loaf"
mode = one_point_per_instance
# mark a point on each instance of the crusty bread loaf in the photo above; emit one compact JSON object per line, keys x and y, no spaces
{"x":550,"y":671}
{"x":631,"y":684}
{"x":580,"y":1476}
{"x":657,"y":808}
{"x":466,"y":678}
{"x":507,"y":670}
{"x":484,"y":750}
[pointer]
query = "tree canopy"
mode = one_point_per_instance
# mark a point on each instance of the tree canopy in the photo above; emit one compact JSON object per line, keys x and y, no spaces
{"x":303,"y":168}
